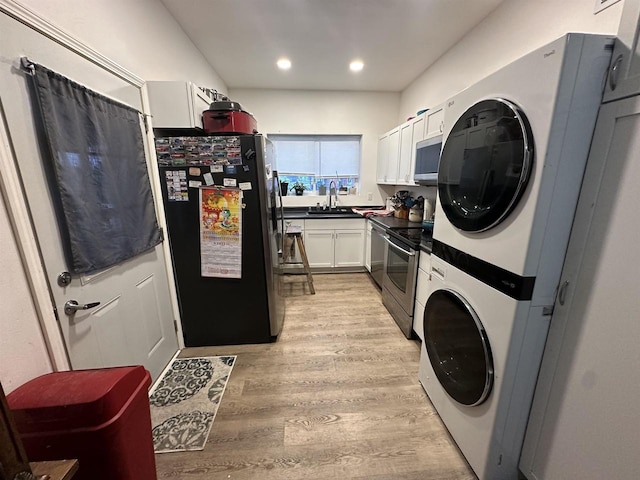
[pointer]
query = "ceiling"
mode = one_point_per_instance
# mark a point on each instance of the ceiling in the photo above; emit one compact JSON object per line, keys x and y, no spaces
{"x":396,"y":39}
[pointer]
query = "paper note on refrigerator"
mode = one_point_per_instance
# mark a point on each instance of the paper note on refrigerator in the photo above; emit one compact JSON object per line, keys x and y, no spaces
{"x":220,"y":232}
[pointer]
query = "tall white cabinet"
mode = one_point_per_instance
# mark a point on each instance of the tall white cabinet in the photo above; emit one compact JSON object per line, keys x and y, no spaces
{"x":584,"y":420}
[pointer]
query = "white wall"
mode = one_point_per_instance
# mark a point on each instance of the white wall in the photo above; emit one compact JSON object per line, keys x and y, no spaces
{"x":327,"y":112}
{"x":515,"y":28}
{"x":141,"y":36}
{"x":23,"y":354}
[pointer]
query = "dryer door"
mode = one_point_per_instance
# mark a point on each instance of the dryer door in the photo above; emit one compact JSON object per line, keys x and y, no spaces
{"x":458,"y":347}
{"x":485,"y":165}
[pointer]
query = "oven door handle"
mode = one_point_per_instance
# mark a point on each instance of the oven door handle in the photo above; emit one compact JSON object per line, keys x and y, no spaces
{"x":393,"y":245}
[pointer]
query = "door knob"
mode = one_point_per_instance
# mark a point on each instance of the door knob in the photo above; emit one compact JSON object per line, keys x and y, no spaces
{"x":72,"y":306}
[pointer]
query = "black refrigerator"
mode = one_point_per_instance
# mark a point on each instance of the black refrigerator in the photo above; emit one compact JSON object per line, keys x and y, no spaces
{"x":221,"y":310}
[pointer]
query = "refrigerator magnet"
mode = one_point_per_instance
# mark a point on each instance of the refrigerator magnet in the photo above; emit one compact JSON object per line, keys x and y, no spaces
{"x":245,"y":185}
{"x":229,"y":182}
{"x":208,"y":179}
{"x":216,"y":168}
{"x":230,"y":169}
{"x":195,"y":183}
{"x":194,"y":172}
{"x":245,"y":168}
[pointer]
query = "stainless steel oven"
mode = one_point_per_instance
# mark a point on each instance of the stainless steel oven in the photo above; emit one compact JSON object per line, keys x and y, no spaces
{"x":399,"y":280}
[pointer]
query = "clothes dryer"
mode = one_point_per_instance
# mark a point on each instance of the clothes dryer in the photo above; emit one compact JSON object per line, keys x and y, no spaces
{"x":515,"y":149}
{"x":479,"y":364}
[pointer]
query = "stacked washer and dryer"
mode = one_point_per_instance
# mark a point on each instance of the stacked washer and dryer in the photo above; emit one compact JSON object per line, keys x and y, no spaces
{"x":515,"y":148}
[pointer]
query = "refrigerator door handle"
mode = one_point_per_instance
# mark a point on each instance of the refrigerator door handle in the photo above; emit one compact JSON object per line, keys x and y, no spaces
{"x":276,"y":179}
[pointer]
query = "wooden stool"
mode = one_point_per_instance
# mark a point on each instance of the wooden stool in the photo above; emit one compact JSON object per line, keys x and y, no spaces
{"x":293,"y":235}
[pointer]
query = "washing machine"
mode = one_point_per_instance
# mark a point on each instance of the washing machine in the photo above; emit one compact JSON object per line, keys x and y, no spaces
{"x":479,"y":364}
{"x":515,"y":149}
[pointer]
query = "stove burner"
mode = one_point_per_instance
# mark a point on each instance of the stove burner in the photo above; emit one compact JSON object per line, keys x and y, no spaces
{"x":411,"y":237}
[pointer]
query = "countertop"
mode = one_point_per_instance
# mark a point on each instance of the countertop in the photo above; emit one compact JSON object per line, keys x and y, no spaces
{"x":298,"y":213}
{"x":384,"y":222}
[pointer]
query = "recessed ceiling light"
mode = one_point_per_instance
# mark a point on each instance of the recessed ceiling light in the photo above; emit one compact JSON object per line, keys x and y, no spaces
{"x":356,"y":65}
{"x":284,"y":64}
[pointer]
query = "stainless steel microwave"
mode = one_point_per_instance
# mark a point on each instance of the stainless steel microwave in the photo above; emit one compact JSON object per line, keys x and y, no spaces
{"x":427,"y":160}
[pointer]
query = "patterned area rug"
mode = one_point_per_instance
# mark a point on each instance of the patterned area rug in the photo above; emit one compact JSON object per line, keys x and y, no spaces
{"x":185,"y":401}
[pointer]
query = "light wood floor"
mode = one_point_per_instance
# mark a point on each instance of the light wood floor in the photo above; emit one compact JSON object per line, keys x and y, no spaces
{"x":336,"y":397}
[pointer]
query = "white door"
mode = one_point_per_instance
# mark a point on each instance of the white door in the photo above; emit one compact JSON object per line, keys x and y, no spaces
{"x":589,"y":378}
{"x":133,"y":323}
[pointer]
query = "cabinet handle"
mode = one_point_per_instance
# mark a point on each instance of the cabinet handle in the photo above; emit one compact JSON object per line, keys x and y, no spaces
{"x":615,"y":71}
{"x":562,"y":292}
{"x":441,"y":127}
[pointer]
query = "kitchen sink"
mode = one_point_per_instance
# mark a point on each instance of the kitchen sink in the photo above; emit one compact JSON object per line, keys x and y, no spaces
{"x":333,"y":211}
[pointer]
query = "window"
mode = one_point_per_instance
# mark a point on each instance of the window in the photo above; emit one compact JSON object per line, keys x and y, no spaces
{"x":317,"y":160}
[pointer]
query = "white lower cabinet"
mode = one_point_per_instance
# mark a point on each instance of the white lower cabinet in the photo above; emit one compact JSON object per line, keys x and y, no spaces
{"x":335,"y":242}
{"x":423,"y":286}
{"x":349,"y":251}
{"x":320,"y":246}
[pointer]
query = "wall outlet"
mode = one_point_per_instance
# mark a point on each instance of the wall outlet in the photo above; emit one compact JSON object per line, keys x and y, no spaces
{"x":369,"y":196}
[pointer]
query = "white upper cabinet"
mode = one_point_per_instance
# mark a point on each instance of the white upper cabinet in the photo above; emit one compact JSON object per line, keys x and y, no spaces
{"x":624,"y":73}
{"x":406,"y":147}
{"x":383,"y":158}
{"x":397,"y":148}
{"x":435,"y":122}
{"x":394,"y":156}
{"x":177,"y":104}
{"x":418,"y":127}
{"x":388,"y":157}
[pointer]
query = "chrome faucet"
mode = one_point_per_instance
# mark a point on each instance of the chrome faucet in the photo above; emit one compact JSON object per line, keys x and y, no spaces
{"x":336,"y":193}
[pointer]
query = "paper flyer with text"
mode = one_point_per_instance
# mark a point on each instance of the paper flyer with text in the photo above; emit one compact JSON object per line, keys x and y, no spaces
{"x":221,"y":232}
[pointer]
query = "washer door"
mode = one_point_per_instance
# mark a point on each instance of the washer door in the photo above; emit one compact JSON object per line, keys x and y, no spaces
{"x":458,"y":348}
{"x":485,"y":165}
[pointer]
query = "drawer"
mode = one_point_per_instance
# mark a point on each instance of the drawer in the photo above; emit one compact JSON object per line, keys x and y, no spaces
{"x":335,"y":224}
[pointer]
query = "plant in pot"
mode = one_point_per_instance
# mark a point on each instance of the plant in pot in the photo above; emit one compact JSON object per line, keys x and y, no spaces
{"x":299,"y":188}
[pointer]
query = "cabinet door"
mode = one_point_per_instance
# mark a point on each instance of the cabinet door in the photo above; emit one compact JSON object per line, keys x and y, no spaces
{"x":383,"y":158}
{"x":394,"y":156}
{"x":435,"y":121}
{"x":591,"y":355}
{"x":198,"y":104}
{"x":404,"y":161}
{"x":367,"y":251}
{"x":418,"y":128}
{"x":624,"y":72}
{"x":176,"y":104}
{"x":349,"y":248}
{"x":319,"y":245}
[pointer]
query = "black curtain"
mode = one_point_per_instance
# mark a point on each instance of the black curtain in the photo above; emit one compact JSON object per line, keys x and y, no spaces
{"x":98,"y":174}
